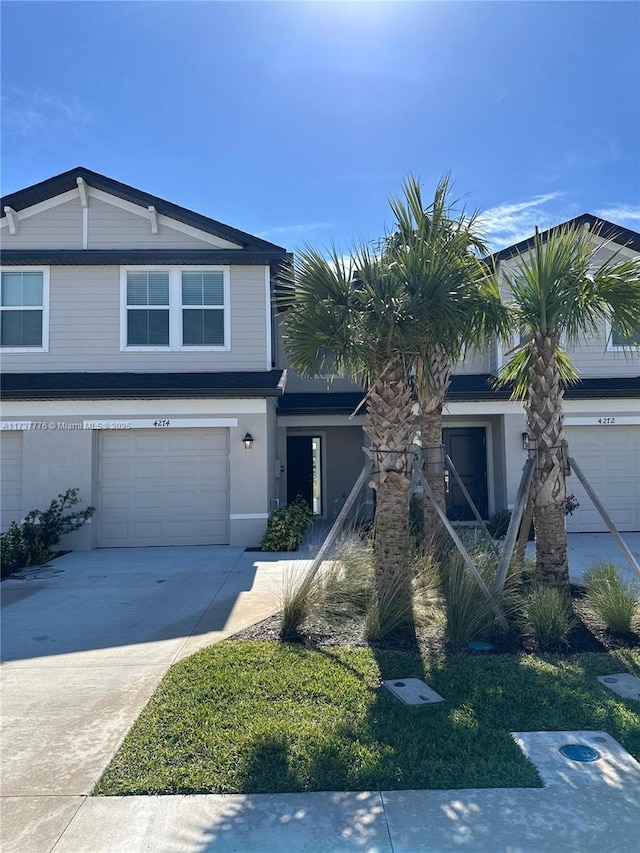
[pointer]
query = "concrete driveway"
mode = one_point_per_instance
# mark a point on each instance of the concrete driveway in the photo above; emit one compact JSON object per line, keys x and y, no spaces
{"x":85,"y":643}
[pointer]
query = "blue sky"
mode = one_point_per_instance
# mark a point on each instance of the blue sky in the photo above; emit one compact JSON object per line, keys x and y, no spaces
{"x":296,"y":121}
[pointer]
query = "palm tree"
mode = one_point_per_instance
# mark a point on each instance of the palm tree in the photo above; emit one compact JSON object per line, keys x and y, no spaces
{"x":352,"y":315}
{"x":560,"y":293}
{"x":435,"y":251}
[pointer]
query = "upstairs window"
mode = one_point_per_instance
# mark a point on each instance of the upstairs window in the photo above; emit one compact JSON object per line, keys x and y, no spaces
{"x":23,"y":310}
{"x":202,"y":325}
{"x":174,"y":308}
{"x":147,"y":326}
{"x":619,"y":341}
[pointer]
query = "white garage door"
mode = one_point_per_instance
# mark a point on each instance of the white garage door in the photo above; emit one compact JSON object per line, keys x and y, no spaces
{"x":609,"y":456}
{"x":163,"y":487}
{"x":11,"y":479}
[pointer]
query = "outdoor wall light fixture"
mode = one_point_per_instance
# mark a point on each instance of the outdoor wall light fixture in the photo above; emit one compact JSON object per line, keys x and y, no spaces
{"x":248,"y":441}
{"x":525,"y":440}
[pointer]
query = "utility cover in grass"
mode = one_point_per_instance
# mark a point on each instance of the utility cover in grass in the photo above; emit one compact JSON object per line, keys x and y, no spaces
{"x":622,"y":683}
{"x":413,"y":691}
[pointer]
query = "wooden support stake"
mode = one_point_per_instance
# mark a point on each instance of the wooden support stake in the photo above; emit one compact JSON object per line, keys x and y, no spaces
{"x":414,"y":478}
{"x":525,"y":527}
{"x":514,"y":526}
{"x":605,"y":515}
{"x":469,"y":500}
{"x":463,"y":551}
{"x":332,"y":535}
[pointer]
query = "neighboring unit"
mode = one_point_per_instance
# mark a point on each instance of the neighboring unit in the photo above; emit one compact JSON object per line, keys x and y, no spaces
{"x":483,"y":429}
{"x":143,"y":363}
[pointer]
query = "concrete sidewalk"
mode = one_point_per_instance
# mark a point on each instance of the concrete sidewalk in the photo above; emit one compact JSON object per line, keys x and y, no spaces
{"x":581,"y":809}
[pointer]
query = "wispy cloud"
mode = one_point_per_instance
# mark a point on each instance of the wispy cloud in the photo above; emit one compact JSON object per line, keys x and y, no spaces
{"x":294,"y":232}
{"x":508,"y":223}
{"x":36,"y":114}
{"x":621,"y":214}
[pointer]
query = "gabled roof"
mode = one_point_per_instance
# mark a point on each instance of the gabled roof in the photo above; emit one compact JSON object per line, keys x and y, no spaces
{"x":67,"y":181}
{"x":608,"y":230}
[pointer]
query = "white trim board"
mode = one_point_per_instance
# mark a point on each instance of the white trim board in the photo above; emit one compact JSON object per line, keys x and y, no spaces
{"x":161,"y":423}
{"x":13,"y":410}
{"x":269,"y":332}
{"x":603,"y":421}
{"x":248,"y":516}
{"x":139,"y":210}
{"x":43,"y":206}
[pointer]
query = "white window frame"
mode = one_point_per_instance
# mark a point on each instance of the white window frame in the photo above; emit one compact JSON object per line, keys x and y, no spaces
{"x":175,"y":307}
{"x":45,"y":309}
{"x":611,"y":347}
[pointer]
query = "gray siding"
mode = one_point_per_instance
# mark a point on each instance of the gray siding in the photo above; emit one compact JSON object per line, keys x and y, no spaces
{"x":591,"y":358}
{"x":475,"y":362}
{"x":84,"y":328}
{"x":297,"y":385}
{"x":59,"y":227}
{"x":111,"y":227}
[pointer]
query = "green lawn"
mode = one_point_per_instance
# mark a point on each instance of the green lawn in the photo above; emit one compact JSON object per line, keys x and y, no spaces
{"x":247,"y":716}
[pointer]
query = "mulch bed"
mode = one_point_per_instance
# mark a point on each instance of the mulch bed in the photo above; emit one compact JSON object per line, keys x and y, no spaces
{"x":587,"y":636}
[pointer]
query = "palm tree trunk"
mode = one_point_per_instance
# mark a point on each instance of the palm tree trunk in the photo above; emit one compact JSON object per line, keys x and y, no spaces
{"x":391,"y":428}
{"x":545,"y":424}
{"x":432,"y":392}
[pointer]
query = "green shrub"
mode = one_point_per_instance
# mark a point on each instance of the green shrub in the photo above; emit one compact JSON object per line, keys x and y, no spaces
{"x":498,"y":524}
{"x":571,"y":504}
{"x":610,"y":598}
{"x":33,"y":541}
{"x":546,"y":618}
{"x":416,"y":518}
{"x":287,"y":526}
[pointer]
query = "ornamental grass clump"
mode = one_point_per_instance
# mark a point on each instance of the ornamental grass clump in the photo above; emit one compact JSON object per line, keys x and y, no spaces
{"x":469,"y":614}
{"x":546,"y":618}
{"x":345,"y":587}
{"x":611,"y":599}
{"x":297,"y":601}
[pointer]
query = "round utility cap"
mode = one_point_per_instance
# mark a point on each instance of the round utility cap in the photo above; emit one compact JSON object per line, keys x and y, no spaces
{"x":579,"y":752}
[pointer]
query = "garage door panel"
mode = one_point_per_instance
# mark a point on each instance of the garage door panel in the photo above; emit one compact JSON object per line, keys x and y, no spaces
{"x":164,"y":488}
{"x":609,"y":456}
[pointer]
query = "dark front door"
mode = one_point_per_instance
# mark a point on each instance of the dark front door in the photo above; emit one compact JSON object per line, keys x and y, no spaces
{"x":300,"y":468}
{"x":467,"y":447}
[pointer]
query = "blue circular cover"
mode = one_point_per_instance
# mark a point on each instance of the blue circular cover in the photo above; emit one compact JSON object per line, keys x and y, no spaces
{"x":578,"y":752}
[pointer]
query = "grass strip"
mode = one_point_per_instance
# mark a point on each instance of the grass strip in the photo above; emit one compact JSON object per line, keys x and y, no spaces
{"x":267,"y":717}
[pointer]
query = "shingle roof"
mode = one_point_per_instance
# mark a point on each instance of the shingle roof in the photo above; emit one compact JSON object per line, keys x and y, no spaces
{"x":468,"y":388}
{"x":113,"y":386}
{"x":67,"y":181}
{"x":608,"y":230}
